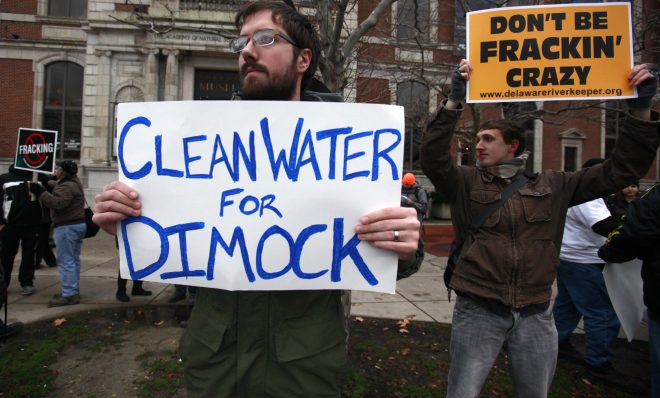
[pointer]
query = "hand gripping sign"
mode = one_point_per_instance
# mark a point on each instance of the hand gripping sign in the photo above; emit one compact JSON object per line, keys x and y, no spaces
{"x":35,"y":150}
{"x":557,"y":52}
{"x":246,"y":195}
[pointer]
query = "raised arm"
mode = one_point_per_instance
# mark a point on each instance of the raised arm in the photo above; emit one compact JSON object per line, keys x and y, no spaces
{"x":458,"y":88}
{"x":646,"y":81}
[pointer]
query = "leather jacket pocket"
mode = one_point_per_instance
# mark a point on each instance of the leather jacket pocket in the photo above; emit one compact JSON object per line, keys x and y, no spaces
{"x":537,"y":203}
{"x":479,"y":200}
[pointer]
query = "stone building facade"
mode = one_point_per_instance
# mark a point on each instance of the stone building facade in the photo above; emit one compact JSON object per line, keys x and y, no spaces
{"x":66,"y":64}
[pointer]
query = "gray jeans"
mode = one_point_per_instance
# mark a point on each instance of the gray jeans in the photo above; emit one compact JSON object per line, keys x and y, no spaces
{"x":477,"y":335}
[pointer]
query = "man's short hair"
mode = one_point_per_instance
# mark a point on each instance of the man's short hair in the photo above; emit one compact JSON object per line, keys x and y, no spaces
{"x":510,"y":131}
{"x":295,"y":25}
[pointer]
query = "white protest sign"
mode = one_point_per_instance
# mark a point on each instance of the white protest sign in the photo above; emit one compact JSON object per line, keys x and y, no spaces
{"x":624,"y":285}
{"x":251,"y":195}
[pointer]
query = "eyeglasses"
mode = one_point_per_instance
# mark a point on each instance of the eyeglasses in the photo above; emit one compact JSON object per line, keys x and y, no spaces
{"x":260,"y":38}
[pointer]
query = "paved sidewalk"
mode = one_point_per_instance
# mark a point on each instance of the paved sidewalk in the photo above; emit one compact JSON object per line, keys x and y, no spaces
{"x":422,"y":295}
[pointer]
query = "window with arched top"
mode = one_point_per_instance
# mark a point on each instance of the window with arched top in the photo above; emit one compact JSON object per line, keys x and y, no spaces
{"x":62,"y":109}
{"x":129,"y":94}
{"x":125,"y":94}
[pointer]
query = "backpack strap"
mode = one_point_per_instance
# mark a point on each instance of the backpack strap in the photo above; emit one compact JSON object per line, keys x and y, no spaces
{"x":457,"y":248}
{"x":517,"y":182}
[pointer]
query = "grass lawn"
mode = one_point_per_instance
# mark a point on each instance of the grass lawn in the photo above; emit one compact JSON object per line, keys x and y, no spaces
{"x":389,"y":358}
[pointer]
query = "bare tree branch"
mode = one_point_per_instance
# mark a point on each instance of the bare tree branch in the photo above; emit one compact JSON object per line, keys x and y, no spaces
{"x":371,"y":21}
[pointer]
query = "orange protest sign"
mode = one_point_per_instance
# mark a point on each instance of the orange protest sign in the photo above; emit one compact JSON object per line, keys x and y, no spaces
{"x":557,"y":52}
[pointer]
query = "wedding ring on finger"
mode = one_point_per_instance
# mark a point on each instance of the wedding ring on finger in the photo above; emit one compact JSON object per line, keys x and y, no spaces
{"x":396,"y":235}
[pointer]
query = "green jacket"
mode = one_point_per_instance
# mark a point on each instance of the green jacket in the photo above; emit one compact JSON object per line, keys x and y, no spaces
{"x":269,"y":343}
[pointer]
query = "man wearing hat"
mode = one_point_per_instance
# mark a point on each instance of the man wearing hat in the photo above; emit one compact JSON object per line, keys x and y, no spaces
{"x":412,"y":195}
{"x":67,"y":210}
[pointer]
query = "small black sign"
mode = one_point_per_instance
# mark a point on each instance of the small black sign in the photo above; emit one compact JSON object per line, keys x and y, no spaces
{"x":35,"y":150}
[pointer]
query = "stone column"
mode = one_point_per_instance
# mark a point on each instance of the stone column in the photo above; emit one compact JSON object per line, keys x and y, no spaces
{"x":151,"y":75}
{"x":98,"y":79}
{"x":172,"y":75}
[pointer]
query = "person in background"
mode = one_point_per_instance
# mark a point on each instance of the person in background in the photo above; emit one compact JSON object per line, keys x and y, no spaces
{"x":639,"y":236}
{"x":67,"y":211}
{"x":181,"y":292}
{"x":136,"y":290}
{"x":6,"y":329}
{"x":618,"y":203}
{"x":582,"y":294}
{"x":20,"y":216}
{"x":504,"y":275}
{"x":44,"y":250}
{"x":413,"y":195}
{"x":271,"y":343}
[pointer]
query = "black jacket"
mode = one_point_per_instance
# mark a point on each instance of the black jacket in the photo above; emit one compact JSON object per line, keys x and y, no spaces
{"x":417,"y":199}
{"x":18,"y":208}
{"x":639,"y":236}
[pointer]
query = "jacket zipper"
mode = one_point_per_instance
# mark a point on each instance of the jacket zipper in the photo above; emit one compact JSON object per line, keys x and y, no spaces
{"x":514,"y":255}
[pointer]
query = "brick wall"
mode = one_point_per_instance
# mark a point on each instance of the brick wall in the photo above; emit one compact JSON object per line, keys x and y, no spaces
{"x":379,"y":52}
{"x":375,"y":91}
{"x":20,"y":30}
{"x":19,"y":6}
{"x":16,"y":84}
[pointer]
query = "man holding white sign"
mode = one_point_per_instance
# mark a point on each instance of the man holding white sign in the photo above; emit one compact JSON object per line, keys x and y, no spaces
{"x":504,"y":273}
{"x":276,"y":343}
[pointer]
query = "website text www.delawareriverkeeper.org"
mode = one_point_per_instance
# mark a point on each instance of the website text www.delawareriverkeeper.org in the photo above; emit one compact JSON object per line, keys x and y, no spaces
{"x":551,"y":92}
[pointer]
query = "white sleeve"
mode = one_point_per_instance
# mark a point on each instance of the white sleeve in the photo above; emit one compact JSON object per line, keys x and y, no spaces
{"x":592,"y":212}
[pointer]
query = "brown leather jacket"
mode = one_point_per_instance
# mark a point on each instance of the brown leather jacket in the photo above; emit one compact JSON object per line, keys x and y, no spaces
{"x":66,"y":203}
{"x":514,"y":256}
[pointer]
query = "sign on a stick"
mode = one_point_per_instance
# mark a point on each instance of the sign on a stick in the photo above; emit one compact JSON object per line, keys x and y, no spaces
{"x":35,"y":150}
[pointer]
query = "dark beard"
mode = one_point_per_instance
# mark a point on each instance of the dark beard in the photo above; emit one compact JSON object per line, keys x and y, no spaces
{"x":278,"y":89}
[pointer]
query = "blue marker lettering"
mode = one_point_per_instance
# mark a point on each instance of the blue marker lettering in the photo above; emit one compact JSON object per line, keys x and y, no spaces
{"x":226,"y":202}
{"x":146,"y":168}
{"x":308,"y":145}
{"x":246,"y":203}
{"x":384,"y":153}
{"x":239,"y":152}
{"x":348,"y":156}
{"x":164,"y":247}
{"x":266,"y":202}
{"x":181,"y":229}
{"x":332,"y":134}
{"x":281,"y":161}
{"x":263,"y":274}
{"x":237,"y":238}
{"x":300,"y":243}
{"x":340,"y":251}
{"x":189,"y":159}
{"x":159,"y":161}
